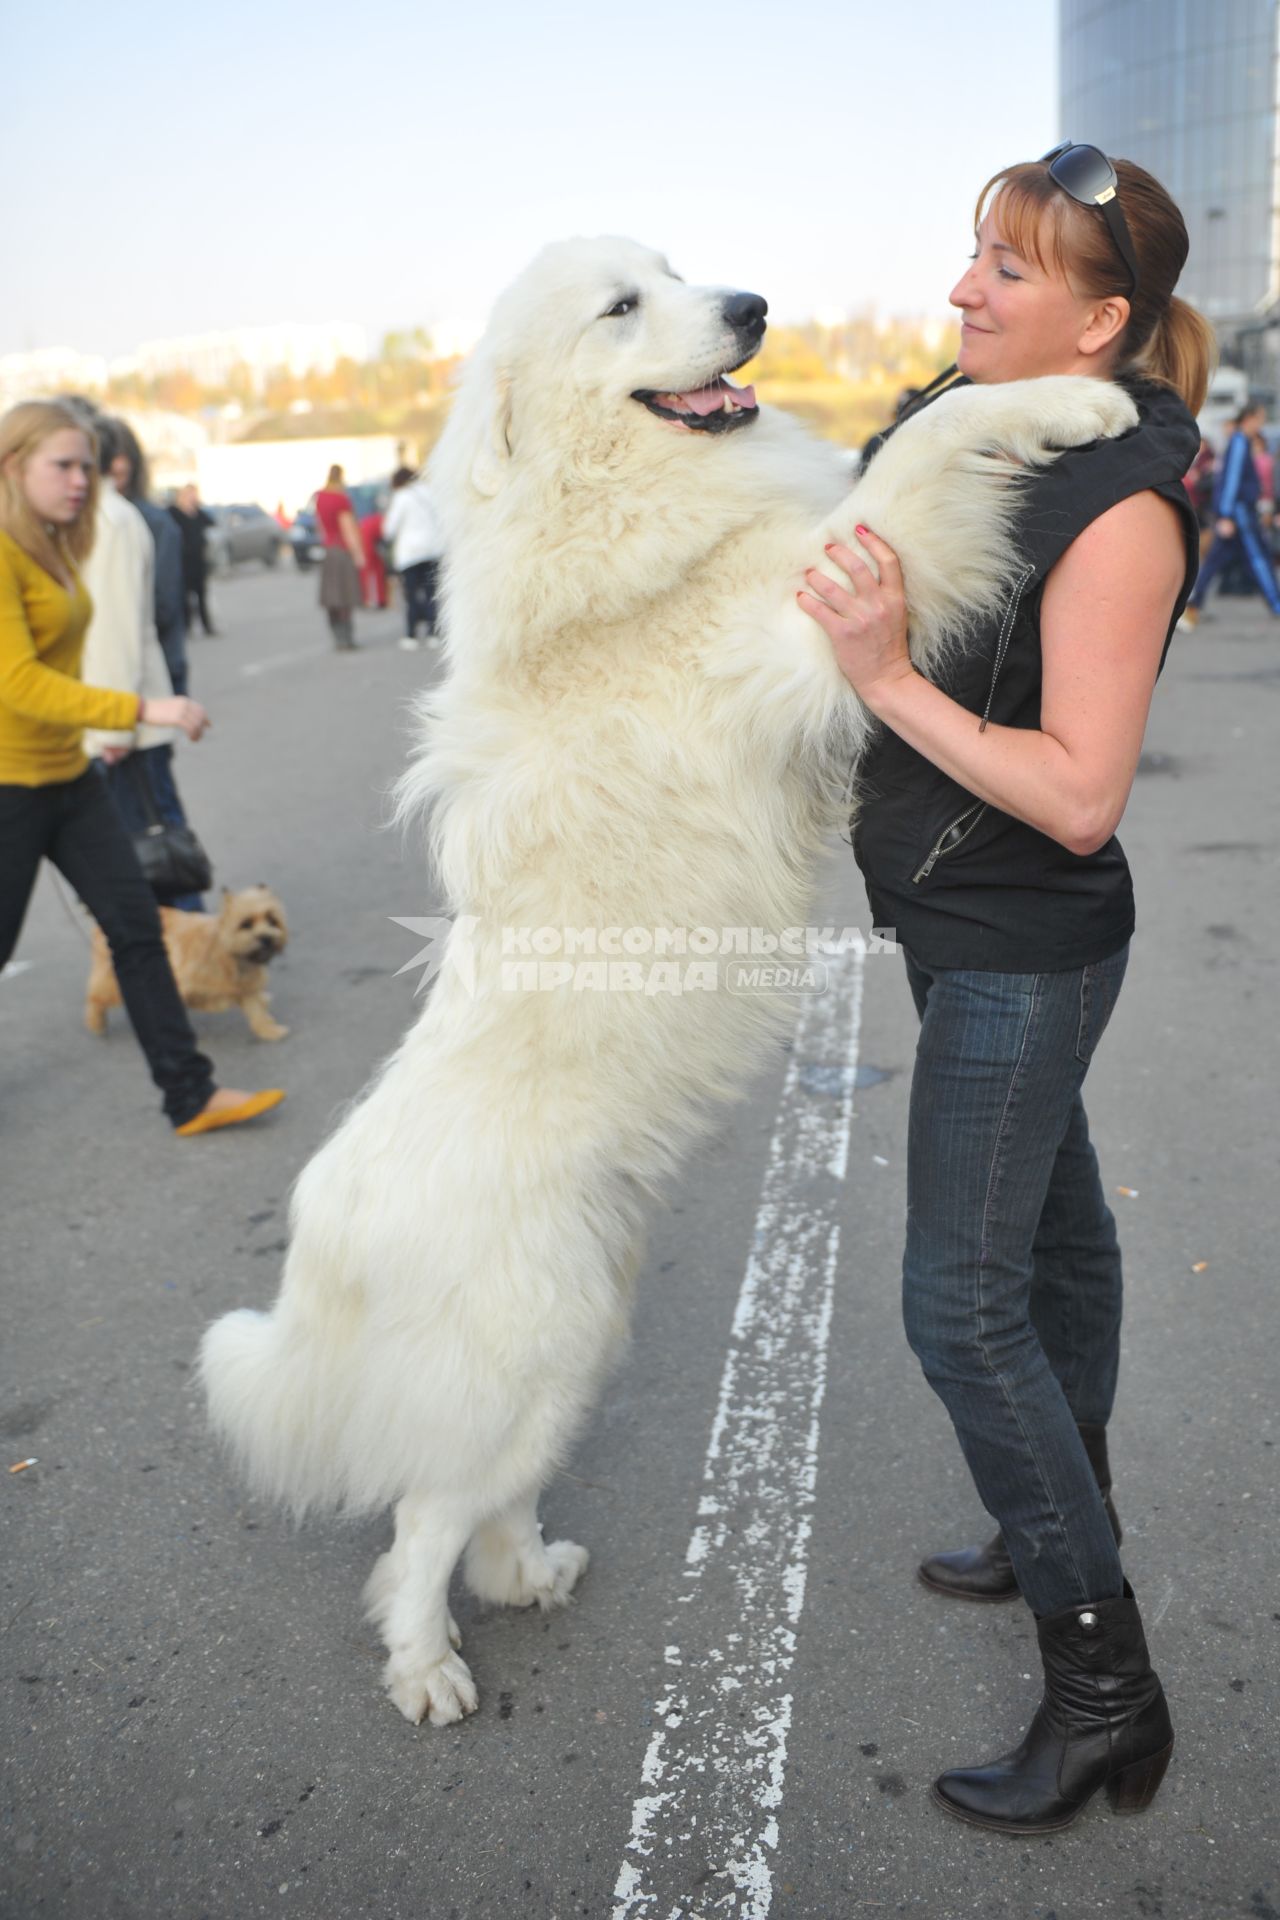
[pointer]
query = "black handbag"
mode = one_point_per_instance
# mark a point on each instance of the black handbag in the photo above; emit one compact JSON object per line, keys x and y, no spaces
{"x":171,"y":857}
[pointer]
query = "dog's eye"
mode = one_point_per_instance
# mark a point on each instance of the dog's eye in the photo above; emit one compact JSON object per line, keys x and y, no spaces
{"x":621,"y":307}
{"x":246,"y":926}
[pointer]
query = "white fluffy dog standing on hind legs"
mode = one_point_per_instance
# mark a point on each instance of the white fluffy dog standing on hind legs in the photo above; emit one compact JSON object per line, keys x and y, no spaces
{"x":637,"y":728}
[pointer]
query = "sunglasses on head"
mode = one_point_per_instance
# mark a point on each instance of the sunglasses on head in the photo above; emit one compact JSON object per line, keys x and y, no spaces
{"x":1087,"y":176}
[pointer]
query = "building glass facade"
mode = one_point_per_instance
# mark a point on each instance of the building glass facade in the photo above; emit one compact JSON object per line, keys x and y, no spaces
{"x":1187,"y":89}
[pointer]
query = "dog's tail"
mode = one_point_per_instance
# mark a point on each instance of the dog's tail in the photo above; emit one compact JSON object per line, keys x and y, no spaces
{"x":277,"y":1404}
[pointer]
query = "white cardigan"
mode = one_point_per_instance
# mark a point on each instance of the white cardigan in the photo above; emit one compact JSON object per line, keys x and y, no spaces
{"x":121,"y":649}
{"x":411,"y":526}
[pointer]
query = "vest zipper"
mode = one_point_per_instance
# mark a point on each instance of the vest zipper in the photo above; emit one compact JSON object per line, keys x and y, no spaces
{"x":949,"y":839}
{"x":1003,"y":639}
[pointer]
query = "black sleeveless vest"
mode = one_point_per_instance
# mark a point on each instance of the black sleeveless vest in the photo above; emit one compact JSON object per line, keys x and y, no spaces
{"x":960,"y":883}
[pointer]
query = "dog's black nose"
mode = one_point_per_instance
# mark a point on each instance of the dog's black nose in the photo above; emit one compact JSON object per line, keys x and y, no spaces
{"x":745,"y":312}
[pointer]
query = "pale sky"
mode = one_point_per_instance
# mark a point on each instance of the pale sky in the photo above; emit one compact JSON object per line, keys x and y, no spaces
{"x":181,"y":168}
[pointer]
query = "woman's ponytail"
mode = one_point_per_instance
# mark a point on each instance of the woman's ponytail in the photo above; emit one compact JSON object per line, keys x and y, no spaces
{"x":1181,"y":352}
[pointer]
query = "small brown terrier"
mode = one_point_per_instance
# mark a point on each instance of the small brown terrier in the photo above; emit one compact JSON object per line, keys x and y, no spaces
{"x":219,"y":960}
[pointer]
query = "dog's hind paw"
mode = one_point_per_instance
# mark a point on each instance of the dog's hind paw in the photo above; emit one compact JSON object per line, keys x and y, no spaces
{"x":381,"y":1587}
{"x":510,"y":1572}
{"x":440,"y":1691}
{"x":567,"y":1562}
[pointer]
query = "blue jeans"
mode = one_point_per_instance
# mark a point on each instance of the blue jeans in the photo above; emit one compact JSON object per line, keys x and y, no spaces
{"x":419,"y":583}
{"x":157,"y":765}
{"x":1011,"y":1275}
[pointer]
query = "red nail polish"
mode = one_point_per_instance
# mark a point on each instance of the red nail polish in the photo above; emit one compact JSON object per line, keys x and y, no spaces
{"x":862,"y":529}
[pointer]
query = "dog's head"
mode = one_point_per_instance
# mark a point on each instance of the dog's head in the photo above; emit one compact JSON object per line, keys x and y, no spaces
{"x":597,"y":341}
{"x":251,"y":925}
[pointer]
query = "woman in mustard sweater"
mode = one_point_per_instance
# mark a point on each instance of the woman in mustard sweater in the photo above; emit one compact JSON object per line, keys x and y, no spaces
{"x":51,"y":803}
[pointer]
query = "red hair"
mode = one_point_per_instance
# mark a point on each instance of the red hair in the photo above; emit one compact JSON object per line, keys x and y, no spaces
{"x":1166,"y":339}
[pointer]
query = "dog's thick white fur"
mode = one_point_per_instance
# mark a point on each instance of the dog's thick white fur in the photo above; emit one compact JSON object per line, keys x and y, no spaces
{"x":637,"y":728}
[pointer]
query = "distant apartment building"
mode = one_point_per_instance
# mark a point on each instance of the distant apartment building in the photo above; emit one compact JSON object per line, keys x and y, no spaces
{"x":212,"y":357}
{"x":209,"y":357}
{"x":50,"y":370}
{"x":1188,"y":89}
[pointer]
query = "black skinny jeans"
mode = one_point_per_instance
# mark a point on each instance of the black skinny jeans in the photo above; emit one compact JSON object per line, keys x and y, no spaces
{"x":419,"y":583}
{"x":74,"y":823}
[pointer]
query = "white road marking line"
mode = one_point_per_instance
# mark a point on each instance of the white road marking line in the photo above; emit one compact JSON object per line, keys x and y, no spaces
{"x":705,"y":1828}
{"x":274,"y":661}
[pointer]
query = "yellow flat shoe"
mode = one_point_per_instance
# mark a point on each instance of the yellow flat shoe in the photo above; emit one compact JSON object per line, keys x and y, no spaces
{"x":207,"y":1122}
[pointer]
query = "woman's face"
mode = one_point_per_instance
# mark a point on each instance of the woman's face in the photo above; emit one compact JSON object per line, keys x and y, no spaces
{"x":57,"y":475}
{"x":1019,"y":321}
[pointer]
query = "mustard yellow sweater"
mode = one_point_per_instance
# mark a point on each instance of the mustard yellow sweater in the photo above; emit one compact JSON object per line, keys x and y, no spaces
{"x":44,"y":706}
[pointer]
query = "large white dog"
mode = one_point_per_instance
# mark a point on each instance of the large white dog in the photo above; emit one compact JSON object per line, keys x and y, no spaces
{"x":638,"y":730}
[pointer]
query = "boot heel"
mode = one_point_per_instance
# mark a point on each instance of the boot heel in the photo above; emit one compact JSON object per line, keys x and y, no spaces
{"x":1135,"y":1787}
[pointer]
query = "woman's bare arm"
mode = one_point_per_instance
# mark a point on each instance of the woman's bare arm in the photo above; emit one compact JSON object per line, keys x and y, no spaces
{"x":1104,"y":616}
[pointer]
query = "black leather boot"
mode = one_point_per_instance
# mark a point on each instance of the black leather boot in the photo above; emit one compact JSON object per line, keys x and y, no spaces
{"x":1103,"y":1722}
{"x":986,"y":1573}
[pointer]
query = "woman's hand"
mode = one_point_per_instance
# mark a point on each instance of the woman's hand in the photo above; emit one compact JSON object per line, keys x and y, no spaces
{"x":178,"y":711}
{"x":866,"y":619}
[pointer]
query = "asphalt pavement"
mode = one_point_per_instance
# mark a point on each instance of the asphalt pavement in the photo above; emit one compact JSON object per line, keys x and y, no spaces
{"x":743,"y":1709}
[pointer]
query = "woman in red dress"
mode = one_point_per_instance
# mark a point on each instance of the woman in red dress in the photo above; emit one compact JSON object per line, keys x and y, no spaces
{"x":343,"y":559}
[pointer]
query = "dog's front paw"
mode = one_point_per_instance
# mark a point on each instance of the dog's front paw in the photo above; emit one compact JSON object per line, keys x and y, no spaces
{"x":441,"y":1691}
{"x":1093,"y":410}
{"x":270,"y":1030}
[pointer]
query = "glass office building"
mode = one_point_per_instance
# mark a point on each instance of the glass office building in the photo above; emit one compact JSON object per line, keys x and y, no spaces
{"x":1188,"y":89}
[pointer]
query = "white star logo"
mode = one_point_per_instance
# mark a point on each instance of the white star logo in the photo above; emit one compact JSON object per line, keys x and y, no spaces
{"x":447,"y":941}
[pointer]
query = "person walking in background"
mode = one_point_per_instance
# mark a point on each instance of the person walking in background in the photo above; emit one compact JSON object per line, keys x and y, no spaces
{"x":373,"y":573}
{"x":1264,"y":461}
{"x":130,"y":475}
{"x":340,"y":593}
{"x":126,"y":467}
{"x":193,"y":523}
{"x":411,"y":529}
{"x":1200,"y":486}
{"x":52,"y":805}
{"x":1237,"y":517}
{"x":121,"y":648}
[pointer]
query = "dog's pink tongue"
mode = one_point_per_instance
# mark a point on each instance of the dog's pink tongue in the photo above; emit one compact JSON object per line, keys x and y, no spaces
{"x":702,"y":400}
{"x":705,"y":400}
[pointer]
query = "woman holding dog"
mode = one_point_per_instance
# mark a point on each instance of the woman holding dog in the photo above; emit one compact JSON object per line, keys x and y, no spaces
{"x":51,"y":803}
{"x":988,"y":842}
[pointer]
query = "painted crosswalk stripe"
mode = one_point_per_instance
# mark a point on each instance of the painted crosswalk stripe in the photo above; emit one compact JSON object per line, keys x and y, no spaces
{"x":705,"y":1827}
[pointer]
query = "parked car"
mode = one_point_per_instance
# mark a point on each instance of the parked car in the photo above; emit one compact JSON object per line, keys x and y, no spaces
{"x":242,"y":533}
{"x":367,"y":496}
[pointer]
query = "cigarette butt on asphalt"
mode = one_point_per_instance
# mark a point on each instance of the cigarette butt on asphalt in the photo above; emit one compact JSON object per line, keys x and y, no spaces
{"x":1199,"y":1266}
{"x":1127,"y":1193}
{"x":20,"y":1466}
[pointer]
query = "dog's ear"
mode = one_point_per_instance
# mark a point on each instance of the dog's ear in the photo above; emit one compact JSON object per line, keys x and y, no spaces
{"x":489,"y":468}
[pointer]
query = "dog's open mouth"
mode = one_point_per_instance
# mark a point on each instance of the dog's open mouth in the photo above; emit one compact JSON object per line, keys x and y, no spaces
{"x":715,"y":408}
